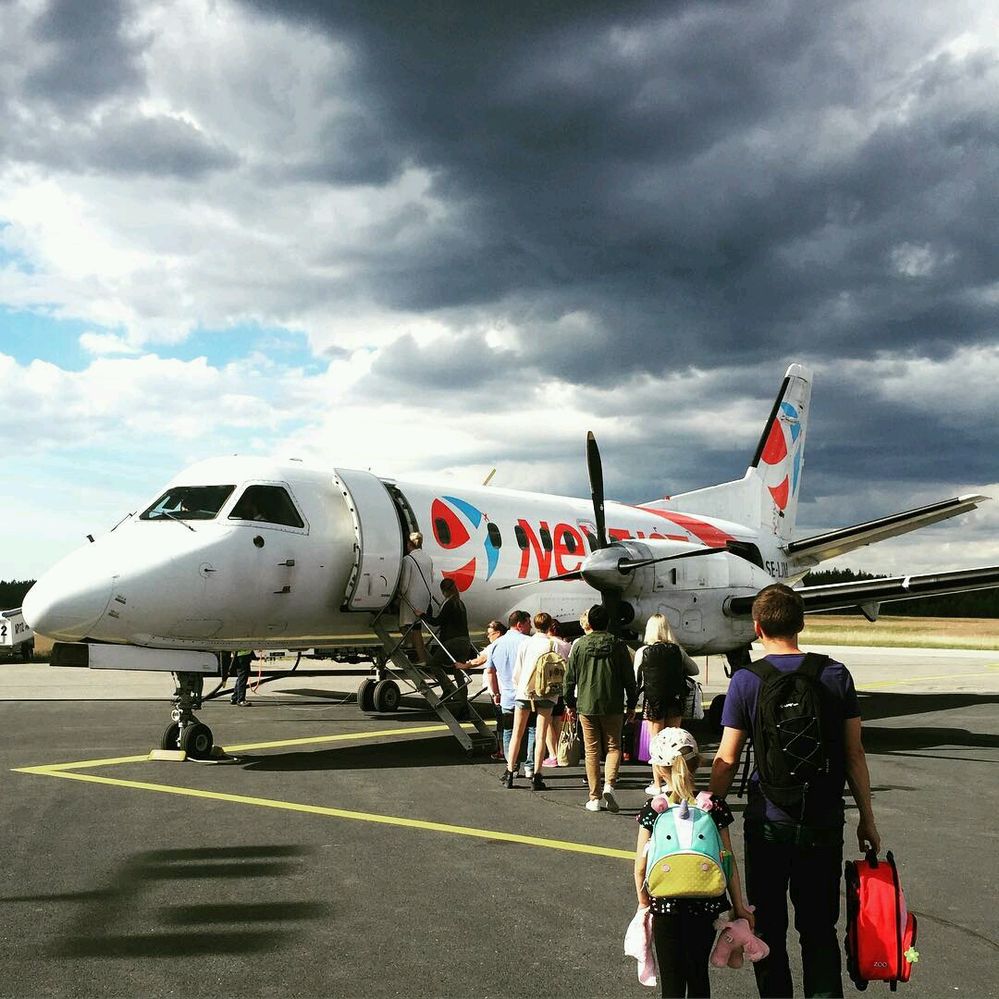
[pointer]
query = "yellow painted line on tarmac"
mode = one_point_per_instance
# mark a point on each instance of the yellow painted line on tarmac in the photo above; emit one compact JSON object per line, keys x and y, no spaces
{"x":918,"y":679}
{"x":340,"y":813}
{"x":67,"y":771}
{"x":242,"y":748}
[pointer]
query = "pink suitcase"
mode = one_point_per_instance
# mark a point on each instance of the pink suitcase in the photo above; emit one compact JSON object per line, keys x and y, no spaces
{"x":643,"y":736}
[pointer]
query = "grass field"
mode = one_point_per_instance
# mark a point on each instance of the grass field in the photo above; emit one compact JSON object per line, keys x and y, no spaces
{"x":908,"y":632}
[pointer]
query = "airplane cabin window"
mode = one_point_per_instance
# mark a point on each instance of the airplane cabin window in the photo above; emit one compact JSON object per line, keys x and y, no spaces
{"x":494,"y":535}
{"x":546,"y":538}
{"x":442,"y":531}
{"x":571,"y":545}
{"x":188,"y":503}
{"x":267,"y":504}
{"x":521,"y":535}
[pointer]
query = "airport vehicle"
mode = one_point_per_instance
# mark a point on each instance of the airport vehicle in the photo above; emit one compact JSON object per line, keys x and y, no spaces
{"x":17,"y":640}
{"x":252,"y":552}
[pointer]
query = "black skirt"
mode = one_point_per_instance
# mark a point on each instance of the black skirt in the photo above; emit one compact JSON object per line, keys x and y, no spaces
{"x":671,"y":707}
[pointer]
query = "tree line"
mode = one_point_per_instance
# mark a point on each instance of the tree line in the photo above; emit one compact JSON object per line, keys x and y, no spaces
{"x":12,"y":592}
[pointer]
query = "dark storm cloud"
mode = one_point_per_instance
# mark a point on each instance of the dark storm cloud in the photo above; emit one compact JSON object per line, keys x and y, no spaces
{"x":676,"y":171}
{"x":88,"y":55}
{"x":124,"y":143}
{"x":154,"y":145}
{"x":469,"y":365}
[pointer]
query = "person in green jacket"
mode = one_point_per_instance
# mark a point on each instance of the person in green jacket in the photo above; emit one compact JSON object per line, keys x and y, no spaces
{"x":599,"y":678}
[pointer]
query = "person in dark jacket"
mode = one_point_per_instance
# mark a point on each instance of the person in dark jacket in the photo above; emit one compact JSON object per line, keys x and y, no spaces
{"x":451,"y":622}
{"x":599,"y":679}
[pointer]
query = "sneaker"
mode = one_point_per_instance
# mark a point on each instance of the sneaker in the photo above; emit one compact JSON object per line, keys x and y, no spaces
{"x":594,"y":805}
{"x":538,"y":783}
{"x":610,"y":802}
{"x":551,"y":761}
{"x":498,"y":756}
{"x":528,"y":773}
{"x":653,"y":790}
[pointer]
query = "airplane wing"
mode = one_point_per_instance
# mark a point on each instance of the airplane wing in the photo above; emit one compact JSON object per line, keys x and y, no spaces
{"x":869,"y":594}
{"x":825,"y":546}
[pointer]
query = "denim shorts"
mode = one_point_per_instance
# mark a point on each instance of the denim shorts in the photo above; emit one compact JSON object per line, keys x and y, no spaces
{"x":538,"y":703}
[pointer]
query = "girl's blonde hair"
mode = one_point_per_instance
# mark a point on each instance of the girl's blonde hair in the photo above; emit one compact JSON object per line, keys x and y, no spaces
{"x":658,"y":630}
{"x":681,"y":778}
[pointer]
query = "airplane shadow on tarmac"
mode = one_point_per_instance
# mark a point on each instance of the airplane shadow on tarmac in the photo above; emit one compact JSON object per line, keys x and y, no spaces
{"x":397,"y":754}
{"x":898,"y":740}
{"x":139,"y":916}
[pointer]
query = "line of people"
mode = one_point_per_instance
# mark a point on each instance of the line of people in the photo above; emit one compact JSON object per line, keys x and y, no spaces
{"x":793,"y":841}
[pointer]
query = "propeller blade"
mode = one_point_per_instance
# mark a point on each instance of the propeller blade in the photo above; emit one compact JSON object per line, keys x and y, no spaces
{"x":626,"y":565}
{"x":567,"y":578}
{"x":596,"y":475}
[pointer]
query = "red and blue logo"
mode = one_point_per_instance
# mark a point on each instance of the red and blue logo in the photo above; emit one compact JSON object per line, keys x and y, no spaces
{"x":456,"y":524}
{"x":780,"y":443}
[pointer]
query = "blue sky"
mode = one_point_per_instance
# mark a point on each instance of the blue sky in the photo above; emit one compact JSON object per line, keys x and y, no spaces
{"x":433,"y":242}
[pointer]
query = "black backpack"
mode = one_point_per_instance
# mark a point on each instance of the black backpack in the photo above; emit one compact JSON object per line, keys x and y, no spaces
{"x":663,"y":675}
{"x":788,"y":738}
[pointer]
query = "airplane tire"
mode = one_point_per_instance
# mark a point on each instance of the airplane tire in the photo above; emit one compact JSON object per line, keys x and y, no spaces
{"x":386,"y":696}
{"x":197,"y":741}
{"x":365,"y":701}
{"x":170,"y":736}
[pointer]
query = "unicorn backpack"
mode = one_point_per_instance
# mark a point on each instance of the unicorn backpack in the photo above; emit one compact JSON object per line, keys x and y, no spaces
{"x":685,"y":858}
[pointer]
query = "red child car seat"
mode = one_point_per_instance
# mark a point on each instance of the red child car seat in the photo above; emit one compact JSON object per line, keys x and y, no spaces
{"x":880,"y":931}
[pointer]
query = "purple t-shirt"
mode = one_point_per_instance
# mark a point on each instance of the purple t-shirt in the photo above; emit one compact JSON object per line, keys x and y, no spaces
{"x":825,"y":801}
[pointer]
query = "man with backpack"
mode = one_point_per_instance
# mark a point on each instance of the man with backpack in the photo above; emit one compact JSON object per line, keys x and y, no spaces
{"x":802,"y":713}
{"x":597,"y":680}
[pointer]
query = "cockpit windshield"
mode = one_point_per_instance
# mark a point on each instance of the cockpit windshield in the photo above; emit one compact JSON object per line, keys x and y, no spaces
{"x":189,"y":503}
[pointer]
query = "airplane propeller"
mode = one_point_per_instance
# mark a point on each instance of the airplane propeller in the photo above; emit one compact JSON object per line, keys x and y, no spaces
{"x":595,"y":471}
{"x":601,"y":569}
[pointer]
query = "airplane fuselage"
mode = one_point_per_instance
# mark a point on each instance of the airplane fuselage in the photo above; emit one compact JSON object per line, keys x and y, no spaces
{"x":226,"y":583}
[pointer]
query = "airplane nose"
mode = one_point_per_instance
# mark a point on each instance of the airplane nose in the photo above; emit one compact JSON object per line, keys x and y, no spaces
{"x":65,"y":607}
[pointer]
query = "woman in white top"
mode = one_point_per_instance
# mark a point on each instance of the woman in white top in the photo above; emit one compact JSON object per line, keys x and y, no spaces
{"x":660,"y":712}
{"x":523,"y":678}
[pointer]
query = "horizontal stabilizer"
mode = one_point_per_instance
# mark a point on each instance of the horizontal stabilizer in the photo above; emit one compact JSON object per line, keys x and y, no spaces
{"x":870,"y":592}
{"x":835,"y":543}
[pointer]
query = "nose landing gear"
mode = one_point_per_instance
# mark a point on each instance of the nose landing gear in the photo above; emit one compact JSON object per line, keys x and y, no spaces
{"x":185,"y":731}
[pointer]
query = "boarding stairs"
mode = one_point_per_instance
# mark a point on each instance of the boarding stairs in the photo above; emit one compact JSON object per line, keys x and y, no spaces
{"x":446,"y":703}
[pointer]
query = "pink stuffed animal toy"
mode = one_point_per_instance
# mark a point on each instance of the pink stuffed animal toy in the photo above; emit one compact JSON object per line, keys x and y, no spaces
{"x":735,"y":940}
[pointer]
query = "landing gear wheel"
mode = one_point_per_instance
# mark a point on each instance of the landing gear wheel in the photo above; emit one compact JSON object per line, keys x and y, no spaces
{"x":197,"y":741}
{"x":171,"y":737}
{"x":386,"y":696}
{"x":365,"y":701}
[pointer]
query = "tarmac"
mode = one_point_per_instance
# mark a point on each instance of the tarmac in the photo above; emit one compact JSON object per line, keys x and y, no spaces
{"x":342,"y":854}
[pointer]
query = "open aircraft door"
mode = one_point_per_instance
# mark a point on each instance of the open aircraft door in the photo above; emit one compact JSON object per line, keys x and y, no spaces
{"x":378,"y":542}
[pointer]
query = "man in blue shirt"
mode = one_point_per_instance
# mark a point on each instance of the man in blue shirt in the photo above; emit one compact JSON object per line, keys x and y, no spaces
{"x":500,"y":661}
{"x":800,"y":853}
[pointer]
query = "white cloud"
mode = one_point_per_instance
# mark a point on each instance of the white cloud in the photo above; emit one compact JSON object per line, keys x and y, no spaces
{"x":106,"y":343}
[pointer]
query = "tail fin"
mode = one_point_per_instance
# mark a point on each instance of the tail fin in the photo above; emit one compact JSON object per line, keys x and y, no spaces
{"x":766,"y":497}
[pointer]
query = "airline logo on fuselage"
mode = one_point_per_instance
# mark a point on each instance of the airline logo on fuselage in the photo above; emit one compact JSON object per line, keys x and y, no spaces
{"x":456,"y":522}
{"x":545,"y":550}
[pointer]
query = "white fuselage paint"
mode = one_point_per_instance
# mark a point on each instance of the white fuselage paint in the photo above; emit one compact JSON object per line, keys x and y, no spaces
{"x":229,"y":584}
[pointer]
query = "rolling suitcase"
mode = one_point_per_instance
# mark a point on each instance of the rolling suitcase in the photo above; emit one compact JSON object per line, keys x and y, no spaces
{"x":643,"y":736}
{"x":880,"y":931}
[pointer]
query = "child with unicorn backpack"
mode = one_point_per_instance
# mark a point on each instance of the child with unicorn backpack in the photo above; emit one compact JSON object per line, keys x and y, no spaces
{"x":686,"y":876}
